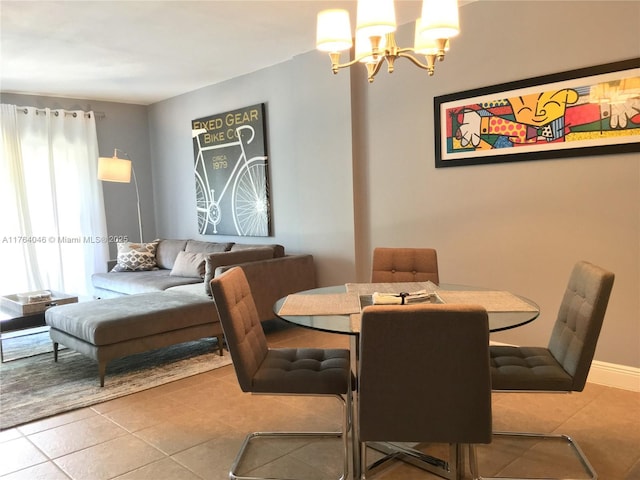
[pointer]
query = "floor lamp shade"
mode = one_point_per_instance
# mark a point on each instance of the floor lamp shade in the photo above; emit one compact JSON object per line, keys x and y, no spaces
{"x":114,"y":169}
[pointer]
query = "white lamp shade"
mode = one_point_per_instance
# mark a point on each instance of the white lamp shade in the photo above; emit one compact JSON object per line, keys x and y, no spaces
{"x":333,"y":33}
{"x":114,"y":169}
{"x":440,"y":19}
{"x":424,"y":45}
{"x":376,"y":18}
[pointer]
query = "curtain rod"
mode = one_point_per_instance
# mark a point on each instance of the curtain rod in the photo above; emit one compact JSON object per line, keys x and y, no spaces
{"x":56,"y":112}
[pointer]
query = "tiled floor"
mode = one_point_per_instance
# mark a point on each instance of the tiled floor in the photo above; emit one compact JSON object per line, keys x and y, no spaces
{"x":192,"y":429}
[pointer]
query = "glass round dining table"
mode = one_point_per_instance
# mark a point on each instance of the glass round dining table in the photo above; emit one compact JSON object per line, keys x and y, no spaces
{"x":517,"y":311}
{"x":341,"y":323}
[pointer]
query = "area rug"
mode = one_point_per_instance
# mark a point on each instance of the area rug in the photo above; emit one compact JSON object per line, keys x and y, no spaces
{"x":36,"y":387}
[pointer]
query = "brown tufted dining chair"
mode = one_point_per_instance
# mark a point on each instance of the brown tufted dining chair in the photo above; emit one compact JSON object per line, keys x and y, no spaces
{"x":264,"y":370}
{"x":404,"y":265}
{"x":431,"y":384}
{"x":564,"y":364}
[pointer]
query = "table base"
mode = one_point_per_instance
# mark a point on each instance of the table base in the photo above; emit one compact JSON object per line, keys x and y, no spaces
{"x":20,"y":326}
{"x":452,"y":470}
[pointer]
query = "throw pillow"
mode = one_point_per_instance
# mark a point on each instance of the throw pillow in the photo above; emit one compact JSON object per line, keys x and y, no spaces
{"x":188,"y":264}
{"x":207,"y":247}
{"x":168,"y":251}
{"x":136,"y":257}
{"x":215,"y":260}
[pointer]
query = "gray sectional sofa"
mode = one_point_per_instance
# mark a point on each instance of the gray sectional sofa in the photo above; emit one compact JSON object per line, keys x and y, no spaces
{"x":270,"y":271}
{"x":157,"y":294}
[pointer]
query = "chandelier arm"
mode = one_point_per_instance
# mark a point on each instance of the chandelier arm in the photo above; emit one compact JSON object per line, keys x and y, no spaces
{"x":337,"y":65}
{"x":373,"y":71}
{"x":416,"y":62}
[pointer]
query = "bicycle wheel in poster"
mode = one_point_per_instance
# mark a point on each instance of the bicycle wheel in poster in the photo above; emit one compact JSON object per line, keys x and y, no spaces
{"x":251,"y":199}
{"x":202,"y":205}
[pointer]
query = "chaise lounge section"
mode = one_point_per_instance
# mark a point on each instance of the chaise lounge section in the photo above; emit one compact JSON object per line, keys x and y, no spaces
{"x":108,"y":329}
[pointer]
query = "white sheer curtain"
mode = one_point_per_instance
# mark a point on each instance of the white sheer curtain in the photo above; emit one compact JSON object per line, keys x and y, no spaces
{"x":52,"y":226}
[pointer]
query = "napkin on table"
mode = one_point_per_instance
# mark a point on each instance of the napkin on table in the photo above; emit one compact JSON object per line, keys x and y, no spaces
{"x":399,"y":298}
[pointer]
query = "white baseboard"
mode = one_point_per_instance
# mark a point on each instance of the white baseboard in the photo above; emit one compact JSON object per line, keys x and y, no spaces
{"x":613,"y":375}
{"x":610,"y":374}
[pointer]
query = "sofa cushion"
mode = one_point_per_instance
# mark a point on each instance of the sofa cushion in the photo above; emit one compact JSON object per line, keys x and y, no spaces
{"x":207,"y":247}
{"x":278,"y":250}
{"x":192,"y":288}
{"x":167,"y":252}
{"x":215,"y":260}
{"x":136,"y":257}
{"x":129,"y":283}
{"x":189,"y":264}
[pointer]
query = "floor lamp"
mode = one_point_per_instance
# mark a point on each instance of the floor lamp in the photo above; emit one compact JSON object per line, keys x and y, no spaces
{"x":114,"y":169}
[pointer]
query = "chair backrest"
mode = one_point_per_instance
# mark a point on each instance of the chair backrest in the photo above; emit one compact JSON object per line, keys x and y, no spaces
{"x":241,"y":325}
{"x":404,"y":265}
{"x":577,"y":328}
{"x":424,"y":374}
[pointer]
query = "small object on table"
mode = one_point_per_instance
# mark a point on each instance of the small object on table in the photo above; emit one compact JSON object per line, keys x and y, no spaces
{"x":30,"y":297}
{"x":401,"y":298}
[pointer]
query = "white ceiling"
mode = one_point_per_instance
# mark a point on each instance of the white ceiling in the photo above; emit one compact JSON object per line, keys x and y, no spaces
{"x":146,"y":51}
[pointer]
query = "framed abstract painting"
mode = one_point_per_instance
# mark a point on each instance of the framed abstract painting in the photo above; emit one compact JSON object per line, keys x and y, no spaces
{"x":590,"y":111}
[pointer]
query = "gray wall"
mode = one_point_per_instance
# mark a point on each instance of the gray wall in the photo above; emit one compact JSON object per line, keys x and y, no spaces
{"x":352,"y":166}
{"x":120,"y":126}
{"x":309,"y":148}
{"x":518,"y":226}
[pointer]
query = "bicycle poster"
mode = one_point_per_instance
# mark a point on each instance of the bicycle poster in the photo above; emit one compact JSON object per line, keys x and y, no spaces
{"x":231,"y":173}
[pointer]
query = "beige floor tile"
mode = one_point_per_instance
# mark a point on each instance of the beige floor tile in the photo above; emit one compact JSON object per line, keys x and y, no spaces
{"x":611,"y":420}
{"x":71,"y":437}
{"x":146,"y":412}
{"x":324,"y":455}
{"x":212,"y":460}
{"x":549,"y":458}
{"x":19,"y":453}
{"x":56,"y":421}
{"x":165,"y":469}
{"x":288,"y":467}
{"x":193,"y":428}
{"x":634,"y":472}
{"x":110,"y":459}
{"x":42,"y":471}
{"x":182,"y":431}
{"x":9,"y":434}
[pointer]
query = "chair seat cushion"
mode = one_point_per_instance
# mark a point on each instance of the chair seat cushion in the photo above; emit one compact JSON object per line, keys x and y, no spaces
{"x":303,"y":371}
{"x":526,"y":368}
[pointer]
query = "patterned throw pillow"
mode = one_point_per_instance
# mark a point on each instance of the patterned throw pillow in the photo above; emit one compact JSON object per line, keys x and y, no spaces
{"x":136,"y":257}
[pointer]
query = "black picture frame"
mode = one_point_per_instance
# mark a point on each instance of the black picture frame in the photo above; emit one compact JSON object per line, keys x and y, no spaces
{"x":506,"y":122}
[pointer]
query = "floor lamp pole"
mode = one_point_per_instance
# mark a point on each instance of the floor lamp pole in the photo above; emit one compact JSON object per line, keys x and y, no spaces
{"x":135,"y":181}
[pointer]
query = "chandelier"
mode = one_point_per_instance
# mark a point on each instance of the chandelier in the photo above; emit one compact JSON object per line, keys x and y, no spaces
{"x":375,"y":37}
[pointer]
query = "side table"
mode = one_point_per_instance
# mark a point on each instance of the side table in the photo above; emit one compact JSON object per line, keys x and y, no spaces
{"x":16,"y":315}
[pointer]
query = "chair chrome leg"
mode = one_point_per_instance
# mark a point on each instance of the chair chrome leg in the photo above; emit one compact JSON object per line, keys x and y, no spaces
{"x":543,"y":436}
{"x":473,"y":462}
{"x":346,"y":406}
